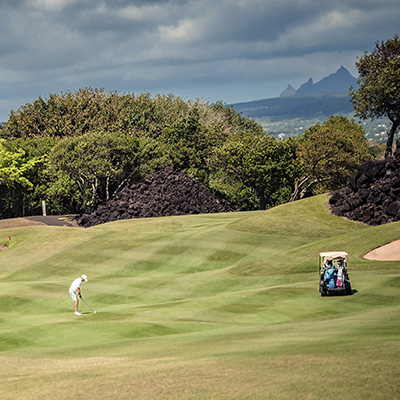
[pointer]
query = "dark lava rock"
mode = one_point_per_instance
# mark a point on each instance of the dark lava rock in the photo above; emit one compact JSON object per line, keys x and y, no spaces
{"x":162,"y":193}
{"x":372,"y":194}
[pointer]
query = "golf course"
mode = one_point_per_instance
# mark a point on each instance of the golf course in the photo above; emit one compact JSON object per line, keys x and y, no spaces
{"x":210,"y":306}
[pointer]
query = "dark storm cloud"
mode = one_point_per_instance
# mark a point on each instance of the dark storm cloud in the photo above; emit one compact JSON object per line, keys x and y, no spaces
{"x":233,"y":50}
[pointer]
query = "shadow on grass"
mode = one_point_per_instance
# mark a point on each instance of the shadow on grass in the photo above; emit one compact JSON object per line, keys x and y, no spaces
{"x":341,"y":294}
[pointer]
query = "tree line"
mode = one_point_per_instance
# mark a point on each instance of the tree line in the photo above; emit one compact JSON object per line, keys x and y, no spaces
{"x":76,"y":150}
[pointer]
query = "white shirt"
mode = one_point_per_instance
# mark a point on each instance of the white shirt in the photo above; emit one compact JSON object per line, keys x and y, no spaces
{"x":75,"y":284}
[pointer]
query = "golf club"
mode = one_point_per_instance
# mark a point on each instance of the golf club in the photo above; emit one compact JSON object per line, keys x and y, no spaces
{"x":93,"y":311}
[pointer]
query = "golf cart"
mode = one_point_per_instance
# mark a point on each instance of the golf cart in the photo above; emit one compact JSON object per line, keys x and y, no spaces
{"x":333,"y":275}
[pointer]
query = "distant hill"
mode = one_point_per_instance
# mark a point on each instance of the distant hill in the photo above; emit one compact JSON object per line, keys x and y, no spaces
{"x":339,"y":83}
{"x":294,"y":111}
{"x":327,"y":97}
{"x":295,"y":107}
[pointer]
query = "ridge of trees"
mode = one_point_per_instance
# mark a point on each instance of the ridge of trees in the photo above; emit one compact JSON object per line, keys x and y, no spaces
{"x":76,"y":150}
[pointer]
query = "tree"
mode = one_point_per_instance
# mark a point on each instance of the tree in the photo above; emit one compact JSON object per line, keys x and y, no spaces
{"x":379,"y":92}
{"x":329,"y":153}
{"x":190,"y":144}
{"x":97,"y":159}
{"x":39,"y":176}
{"x":254,"y":171}
{"x":16,"y":181}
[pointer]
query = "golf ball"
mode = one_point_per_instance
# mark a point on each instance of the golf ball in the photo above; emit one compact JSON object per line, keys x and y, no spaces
{"x":94,"y":312}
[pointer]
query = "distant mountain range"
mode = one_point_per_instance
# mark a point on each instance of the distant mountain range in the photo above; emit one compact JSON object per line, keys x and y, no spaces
{"x":294,"y":111}
{"x":337,"y":83}
{"x":327,"y":97}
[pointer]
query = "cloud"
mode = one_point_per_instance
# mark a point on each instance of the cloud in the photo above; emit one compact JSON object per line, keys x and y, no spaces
{"x":155,"y":13}
{"x":51,"y":5}
{"x":232,"y":50}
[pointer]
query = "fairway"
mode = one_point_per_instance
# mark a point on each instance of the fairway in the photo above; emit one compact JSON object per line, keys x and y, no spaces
{"x":213,"y":306}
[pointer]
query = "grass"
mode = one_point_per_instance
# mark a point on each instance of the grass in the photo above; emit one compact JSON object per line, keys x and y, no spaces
{"x":222,"y":306}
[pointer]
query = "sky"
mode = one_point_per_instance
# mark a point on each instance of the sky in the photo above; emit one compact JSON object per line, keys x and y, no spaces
{"x":228,"y":50}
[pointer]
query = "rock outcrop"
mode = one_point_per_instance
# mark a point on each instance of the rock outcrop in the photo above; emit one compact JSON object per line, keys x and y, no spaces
{"x":163,"y":193}
{"x":372,"y":194}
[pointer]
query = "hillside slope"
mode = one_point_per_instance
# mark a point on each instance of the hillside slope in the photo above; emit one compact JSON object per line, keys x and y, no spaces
{"x":216,"y":306}
{"x":305,"y":107}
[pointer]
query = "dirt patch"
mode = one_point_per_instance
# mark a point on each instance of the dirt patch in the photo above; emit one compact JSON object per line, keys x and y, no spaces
{"x":388,"y":252}
{"x":16,"y":223}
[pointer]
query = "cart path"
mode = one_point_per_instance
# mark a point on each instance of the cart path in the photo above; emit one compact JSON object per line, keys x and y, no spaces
{"x":51,"y":220}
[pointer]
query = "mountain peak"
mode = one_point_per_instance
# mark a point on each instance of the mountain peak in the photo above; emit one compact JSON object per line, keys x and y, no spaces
{"x":342,"y":69}
{"x":288,"y":92}
{"x":339,"y":82}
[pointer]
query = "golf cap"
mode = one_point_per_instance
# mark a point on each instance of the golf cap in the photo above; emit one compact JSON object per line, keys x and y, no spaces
{"x":84,"y":277}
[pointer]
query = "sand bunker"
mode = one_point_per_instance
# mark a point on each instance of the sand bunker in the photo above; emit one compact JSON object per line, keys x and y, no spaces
{"x":388,"y":252}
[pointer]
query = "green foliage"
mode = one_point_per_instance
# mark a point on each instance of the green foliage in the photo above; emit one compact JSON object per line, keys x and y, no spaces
{"x":96,"y":158}
{"x":15,"y":166}
{"x":329,"y":154}
{"x":234,"y":120}
{"x":88,"y":165}
{"x":91,"y":143}
{"x":87,"y":110}
{"x":20,"y":163}
{"x":3,"y":132}
{"x":153,"y":155}
{"x":257,"y":164}
{"x":191,"y":143}
{"x":61,"y":193}
{"x":379,"y":80}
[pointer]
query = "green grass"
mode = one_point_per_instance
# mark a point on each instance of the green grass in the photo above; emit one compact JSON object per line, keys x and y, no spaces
{"x":222,"y":306}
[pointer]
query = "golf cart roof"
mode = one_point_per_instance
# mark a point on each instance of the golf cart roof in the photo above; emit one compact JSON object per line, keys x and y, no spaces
{"x":333,"y":254}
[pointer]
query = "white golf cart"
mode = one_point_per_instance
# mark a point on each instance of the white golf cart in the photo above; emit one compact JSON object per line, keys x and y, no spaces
{"x":333,"y":275}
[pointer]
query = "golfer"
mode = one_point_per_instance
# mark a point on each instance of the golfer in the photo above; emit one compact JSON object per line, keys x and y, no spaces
{"x":75,"y":291}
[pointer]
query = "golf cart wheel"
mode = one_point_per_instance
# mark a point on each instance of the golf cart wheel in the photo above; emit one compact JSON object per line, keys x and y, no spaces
{"x":323,"y":292}
{"x":348,"y":289}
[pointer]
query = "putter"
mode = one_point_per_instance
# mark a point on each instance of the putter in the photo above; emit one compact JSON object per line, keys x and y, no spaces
{"x":93,"y":311}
